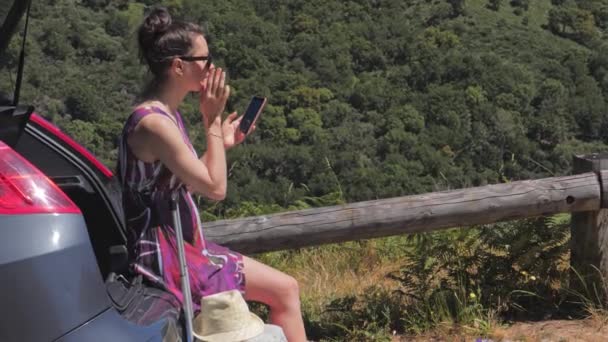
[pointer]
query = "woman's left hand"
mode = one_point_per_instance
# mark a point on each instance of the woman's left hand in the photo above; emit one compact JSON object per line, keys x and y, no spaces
{"x":232,"y":134}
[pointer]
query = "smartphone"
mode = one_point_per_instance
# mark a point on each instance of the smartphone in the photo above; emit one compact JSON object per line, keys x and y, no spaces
{"x":252,"y":113}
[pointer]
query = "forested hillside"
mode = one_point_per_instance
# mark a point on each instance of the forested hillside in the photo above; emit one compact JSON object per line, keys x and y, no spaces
{"x":367,"y":99}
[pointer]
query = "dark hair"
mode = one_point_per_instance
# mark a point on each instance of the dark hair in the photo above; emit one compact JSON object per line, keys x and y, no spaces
{"x":161,"y":38}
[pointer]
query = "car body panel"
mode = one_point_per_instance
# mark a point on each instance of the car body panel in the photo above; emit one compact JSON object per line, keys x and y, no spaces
{"x":110,"y":326}
{"x":50,"y":279}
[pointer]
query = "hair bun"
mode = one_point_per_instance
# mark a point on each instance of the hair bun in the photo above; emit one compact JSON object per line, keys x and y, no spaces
{"x":160,"y":39}
{"x":157,"y":21}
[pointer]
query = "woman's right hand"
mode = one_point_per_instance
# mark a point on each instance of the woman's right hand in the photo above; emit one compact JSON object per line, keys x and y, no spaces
{"x":213,"y":96}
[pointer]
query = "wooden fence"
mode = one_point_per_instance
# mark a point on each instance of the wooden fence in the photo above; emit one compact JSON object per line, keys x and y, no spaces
{"x":585,"y":194}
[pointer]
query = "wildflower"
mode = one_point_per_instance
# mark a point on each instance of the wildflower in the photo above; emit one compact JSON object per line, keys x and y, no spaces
{"x":533,"y":278}
{"x":472,"y":295}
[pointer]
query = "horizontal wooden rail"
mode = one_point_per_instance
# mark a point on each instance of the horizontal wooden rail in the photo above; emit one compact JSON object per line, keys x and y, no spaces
{"x":410,"y":214}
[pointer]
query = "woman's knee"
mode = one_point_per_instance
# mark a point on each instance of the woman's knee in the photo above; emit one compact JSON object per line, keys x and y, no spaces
{"x":292,"y":287}
{"x":289,"y":291}
{"x":270,"y":286}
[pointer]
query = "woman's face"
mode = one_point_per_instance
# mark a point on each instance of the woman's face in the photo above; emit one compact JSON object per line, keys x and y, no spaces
{"x":193,"y":72}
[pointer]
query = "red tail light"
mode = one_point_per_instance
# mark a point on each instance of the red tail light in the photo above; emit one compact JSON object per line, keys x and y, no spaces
{"x":26,"y":190}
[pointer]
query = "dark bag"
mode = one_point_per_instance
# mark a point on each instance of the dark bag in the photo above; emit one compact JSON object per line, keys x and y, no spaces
{"x":139,"y":303}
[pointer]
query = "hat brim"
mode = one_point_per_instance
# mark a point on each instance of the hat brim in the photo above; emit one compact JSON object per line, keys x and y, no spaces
{"x":253,"y":328}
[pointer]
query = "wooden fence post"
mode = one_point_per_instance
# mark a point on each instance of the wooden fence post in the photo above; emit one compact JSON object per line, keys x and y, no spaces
{"x":589,"y":230}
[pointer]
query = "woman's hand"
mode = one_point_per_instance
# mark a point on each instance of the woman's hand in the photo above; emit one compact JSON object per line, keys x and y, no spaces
{"x":213,"y":96}
{"x":231,"y":132}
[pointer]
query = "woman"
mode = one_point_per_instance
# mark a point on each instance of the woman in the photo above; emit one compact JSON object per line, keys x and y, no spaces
{"x":157,"y":158}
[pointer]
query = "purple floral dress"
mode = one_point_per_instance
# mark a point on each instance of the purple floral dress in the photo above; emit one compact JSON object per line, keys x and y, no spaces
{"x":151,"y":238}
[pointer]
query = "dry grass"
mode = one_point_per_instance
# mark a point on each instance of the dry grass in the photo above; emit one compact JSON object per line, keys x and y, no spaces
{"x":324,"y":282}
{"x":331,"y":272}
{"x":325,"y":273}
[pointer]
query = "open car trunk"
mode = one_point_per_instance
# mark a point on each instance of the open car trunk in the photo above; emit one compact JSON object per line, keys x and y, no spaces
{"x":87,"y":182}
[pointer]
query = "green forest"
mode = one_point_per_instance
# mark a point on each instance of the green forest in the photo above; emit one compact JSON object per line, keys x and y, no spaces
{"x":368,"y":99}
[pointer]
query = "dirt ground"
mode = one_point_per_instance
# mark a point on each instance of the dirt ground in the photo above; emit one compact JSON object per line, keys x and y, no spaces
{"x":559,"y":331}
{"x":546,"y":331}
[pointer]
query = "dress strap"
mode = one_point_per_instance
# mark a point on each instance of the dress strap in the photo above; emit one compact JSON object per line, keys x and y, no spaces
{"x":140,"y":112}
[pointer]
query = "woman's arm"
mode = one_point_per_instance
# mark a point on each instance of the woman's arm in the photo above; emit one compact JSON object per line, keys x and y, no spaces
{"x":214,"y":94}
{"x":214,"y":159}
{"x":157,"y":136}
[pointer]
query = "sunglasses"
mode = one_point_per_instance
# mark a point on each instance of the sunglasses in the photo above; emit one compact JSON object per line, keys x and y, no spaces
{"x":196,"y":58}
{"x":207,"y":58}
{"x":188,"y":58}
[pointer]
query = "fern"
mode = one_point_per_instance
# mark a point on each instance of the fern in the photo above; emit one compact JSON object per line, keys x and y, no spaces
{"x":497,"y":262}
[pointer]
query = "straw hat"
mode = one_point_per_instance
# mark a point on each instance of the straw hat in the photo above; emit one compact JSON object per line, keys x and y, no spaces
{"x":225,"y":317}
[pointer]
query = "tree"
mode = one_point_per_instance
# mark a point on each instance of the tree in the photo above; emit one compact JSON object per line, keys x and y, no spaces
{"x":589,"y":108}
{"x":494,"y":4}
{"x":96,"y":4}
{"x":85,"y":133}
{"x":549,"y":126}
{"x":83,"y":102}
{"x":458,"y":7}
{"x":523,"y":4}
{"x":573,"y":23}
{"x":308,"y":123}
{"x":598,"y":66}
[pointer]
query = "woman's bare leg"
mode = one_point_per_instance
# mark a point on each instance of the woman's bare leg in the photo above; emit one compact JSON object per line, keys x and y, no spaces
{"x":279,"y":291}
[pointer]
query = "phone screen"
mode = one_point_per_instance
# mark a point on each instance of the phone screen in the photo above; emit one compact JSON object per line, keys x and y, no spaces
{"x":251,"y":114}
